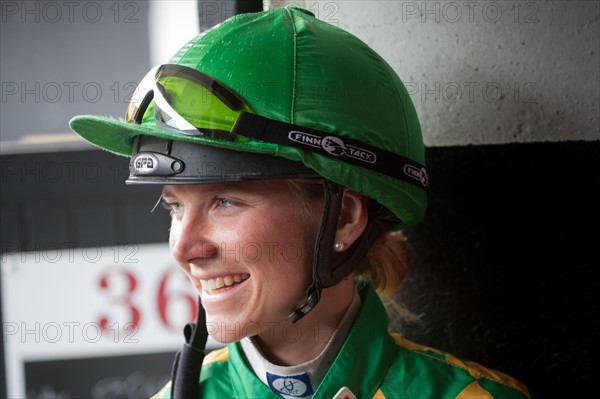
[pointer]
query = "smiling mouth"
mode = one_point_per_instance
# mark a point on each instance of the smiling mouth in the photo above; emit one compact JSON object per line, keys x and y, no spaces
{"x":215,"y":285}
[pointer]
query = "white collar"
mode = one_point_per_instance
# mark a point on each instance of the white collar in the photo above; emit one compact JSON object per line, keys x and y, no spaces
{"x":302,"y":379}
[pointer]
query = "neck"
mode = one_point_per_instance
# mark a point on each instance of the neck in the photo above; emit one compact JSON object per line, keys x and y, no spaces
{"x":290,"y":344}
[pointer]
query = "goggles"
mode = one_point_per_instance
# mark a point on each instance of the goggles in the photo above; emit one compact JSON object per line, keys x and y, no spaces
{"x":204,"y":106}
{"x":194,"y":104}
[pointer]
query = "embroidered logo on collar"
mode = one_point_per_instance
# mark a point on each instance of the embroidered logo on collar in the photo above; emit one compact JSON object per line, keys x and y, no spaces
{"x":290,"y":385}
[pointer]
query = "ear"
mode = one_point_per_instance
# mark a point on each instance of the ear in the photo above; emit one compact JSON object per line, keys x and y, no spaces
{"x":353,"y":218}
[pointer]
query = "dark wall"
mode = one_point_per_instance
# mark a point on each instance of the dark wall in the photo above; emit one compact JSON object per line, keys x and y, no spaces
{"x":505,"y":265}
{"x":71,"y":199}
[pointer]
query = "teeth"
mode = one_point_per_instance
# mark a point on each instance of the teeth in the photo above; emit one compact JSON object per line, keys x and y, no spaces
{"x":215,"y":284}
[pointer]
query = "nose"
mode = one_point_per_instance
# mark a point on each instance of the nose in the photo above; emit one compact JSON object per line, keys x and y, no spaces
{"x":189,"y":239}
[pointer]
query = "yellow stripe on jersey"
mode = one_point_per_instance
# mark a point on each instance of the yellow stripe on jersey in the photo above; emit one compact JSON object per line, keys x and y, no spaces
{"x":477,"y":371}
{"x":218,"y":355}
{"x":404,"y":343}
{"x":474,"y":391}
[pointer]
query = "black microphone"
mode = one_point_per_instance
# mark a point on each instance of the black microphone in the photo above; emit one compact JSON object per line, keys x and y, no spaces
{"x":185,"y":375}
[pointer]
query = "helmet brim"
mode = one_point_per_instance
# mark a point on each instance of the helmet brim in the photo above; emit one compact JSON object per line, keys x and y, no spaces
{"x":116,"y":135}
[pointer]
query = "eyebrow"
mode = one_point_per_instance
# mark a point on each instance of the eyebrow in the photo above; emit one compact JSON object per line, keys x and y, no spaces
{"x":220,"y":187}
{"x":166,"y":191}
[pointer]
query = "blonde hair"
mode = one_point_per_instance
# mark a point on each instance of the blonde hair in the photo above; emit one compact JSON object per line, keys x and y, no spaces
{"x":386,"y":263}
{"x":386,"y":267}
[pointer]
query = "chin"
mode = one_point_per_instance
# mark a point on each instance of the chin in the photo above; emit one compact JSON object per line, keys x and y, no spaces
{"x":224,"y":338}
{"x":230,"y":331}
{"x":223,"y":332}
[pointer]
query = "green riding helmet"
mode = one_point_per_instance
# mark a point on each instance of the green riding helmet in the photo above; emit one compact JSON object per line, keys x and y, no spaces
{"x":275,"y":95}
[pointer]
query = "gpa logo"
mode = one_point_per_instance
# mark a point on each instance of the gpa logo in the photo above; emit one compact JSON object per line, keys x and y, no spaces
{"x":144,"y":163}
{"x":417,"y":174}
{"x":333,"y":145}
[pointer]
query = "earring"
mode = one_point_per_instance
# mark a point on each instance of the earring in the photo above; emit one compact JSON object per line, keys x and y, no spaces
{"x":338,"y":247}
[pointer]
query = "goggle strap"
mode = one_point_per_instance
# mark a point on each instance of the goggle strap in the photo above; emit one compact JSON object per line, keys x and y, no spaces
{"x":348,"y":150}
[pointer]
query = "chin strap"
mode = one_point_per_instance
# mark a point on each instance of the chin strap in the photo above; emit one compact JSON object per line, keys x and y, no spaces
{"x":185,"y":376}
{"x":327,"y":271}
{"x":323,"y":253}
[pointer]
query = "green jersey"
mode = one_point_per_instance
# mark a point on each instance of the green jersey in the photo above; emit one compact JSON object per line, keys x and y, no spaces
{"x":372,"y":363}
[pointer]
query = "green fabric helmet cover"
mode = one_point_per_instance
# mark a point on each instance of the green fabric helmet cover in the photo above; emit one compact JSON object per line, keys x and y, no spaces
{"x":289,"y":66}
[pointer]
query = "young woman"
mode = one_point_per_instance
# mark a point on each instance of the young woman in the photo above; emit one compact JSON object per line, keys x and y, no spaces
{"x":291,"y":157}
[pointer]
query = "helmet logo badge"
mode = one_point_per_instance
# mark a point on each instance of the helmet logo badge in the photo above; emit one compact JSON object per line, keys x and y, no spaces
{"x":333,"y":145}
{"x":144,"y":163}
{"x":417,"y":173}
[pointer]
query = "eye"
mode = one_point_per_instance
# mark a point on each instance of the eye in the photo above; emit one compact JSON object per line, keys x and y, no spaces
{"x":172,"y":207}
{"x":225,"y":203}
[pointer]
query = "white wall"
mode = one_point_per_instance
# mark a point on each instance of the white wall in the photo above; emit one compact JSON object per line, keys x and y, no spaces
{"x":171,"y":25}
{"x":486,"y":72}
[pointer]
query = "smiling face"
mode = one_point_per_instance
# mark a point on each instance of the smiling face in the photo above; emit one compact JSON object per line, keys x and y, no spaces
{"x":246,"y":247}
